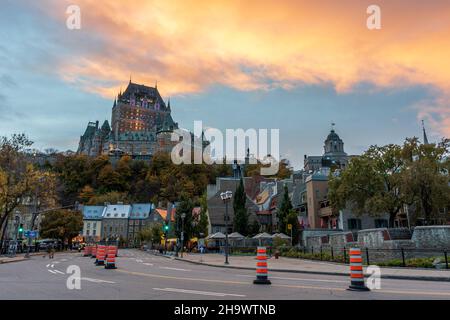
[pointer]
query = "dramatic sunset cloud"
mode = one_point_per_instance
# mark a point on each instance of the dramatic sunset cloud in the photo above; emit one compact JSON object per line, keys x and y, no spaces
{"x":190,"y":45}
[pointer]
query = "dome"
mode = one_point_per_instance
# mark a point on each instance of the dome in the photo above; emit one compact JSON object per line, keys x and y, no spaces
{"x":333,"y":136}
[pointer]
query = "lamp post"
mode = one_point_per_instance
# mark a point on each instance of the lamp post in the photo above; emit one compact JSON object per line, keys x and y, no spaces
{"x":183,"y":215}
{"x":226,"y":197}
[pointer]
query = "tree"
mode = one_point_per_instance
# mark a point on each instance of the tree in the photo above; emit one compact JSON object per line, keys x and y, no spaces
{"x":201,"y":229}
{"x":86,"y":194}
{"x":157,"y":233}
{"x":254,"y":228}
{"x":426,"y":178}
{"x":371,"y":183}
{"x":184,"y":207}
{"x":110,"y":197}
{"x":62,"y":224}
{"x":240,"y":219}
{"x":20,"y":180}
{"x":283,"y":211}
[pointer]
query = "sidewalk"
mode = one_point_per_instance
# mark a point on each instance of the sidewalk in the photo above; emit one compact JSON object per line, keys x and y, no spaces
{"x":21,"y":256}
{"x":313,"y":267}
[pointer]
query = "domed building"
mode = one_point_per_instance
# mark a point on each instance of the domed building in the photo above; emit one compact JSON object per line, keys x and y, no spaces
{"x":333,"y":156}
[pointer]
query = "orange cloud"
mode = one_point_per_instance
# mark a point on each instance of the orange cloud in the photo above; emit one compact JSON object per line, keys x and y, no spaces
{"x":189,"y":45}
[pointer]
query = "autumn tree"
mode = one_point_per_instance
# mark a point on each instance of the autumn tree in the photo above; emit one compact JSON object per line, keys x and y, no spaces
{"x":62,"y":224}
{"x":19,"y":180}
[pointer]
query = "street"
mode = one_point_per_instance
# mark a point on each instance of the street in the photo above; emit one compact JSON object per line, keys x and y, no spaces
{"x":142,"y":275}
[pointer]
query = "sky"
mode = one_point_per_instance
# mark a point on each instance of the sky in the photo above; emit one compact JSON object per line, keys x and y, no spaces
{"x":292,"y":65}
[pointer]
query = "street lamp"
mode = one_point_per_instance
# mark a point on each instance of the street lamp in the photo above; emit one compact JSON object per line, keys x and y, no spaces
{"x":183,"y":215}
{"x":226,"y":197}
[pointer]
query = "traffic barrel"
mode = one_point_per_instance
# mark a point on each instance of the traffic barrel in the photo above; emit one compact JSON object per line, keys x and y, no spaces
{"x":261,"y":267}
{"x":101,"y":254}
{"x":86,"y":251}
{"x":356,"y":271}
{"x":110,"y":257}
{"x":94,"y":251}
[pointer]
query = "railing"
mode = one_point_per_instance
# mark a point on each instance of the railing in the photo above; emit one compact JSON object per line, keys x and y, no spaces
{"x":401,"y":257}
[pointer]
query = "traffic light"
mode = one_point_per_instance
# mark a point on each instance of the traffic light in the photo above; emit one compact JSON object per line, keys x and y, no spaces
{"x":166,"y":228}
{"x":21,"y":228}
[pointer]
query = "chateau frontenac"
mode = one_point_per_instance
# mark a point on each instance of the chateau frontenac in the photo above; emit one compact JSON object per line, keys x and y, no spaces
{"x":141,"y":124}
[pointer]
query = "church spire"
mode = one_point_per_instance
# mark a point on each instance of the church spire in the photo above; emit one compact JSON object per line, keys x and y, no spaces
{"x":168,"y":104}
{"x":425,"y":138}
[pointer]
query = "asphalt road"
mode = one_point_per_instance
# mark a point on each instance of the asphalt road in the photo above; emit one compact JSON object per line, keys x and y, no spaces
{"x":142,"y":275}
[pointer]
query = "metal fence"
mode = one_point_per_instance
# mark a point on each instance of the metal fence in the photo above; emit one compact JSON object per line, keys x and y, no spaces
{"x":401,"y":257}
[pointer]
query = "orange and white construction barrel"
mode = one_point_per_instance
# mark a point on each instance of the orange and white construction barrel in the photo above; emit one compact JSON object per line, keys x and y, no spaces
{"x":101,"y":254}
{"x":110,"y":257}
{"x":262,"y":276}
{"x":356,"y":271}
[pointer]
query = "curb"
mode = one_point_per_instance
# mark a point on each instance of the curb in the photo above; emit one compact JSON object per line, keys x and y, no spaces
{"x":396,"y":277}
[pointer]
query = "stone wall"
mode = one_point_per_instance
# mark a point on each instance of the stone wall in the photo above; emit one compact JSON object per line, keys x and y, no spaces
{"x":431,"y":237}
{"x":307,"y":233}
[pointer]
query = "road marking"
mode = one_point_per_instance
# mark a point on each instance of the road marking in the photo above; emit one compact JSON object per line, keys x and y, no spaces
{"x":52,"y":265}
{"x":176,"y":269}
{"x":56,"y":262}
{"x":63,"y":259}
{"x":204,"y":293}
{"x":298,"y":279}
{"x":47,"y":265}
{"x":97,"y":280}
{"x":139,"y":260}
{"x":148,"y":264}
{"x":51,"y":271}
{"x":280,"y":285}
{"x":59,"y":272}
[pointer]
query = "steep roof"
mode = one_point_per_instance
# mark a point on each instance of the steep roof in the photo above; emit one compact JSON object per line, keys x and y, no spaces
{"x":117,"y":211}
{"x":93,"y":212}
{"x":143,"y":90}
{"x":140,"y":210}
{"x":163,"y":213}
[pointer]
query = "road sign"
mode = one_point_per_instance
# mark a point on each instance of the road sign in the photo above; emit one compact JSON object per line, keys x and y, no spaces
{"x":289,"y":226}
{"x":30,"y":234}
